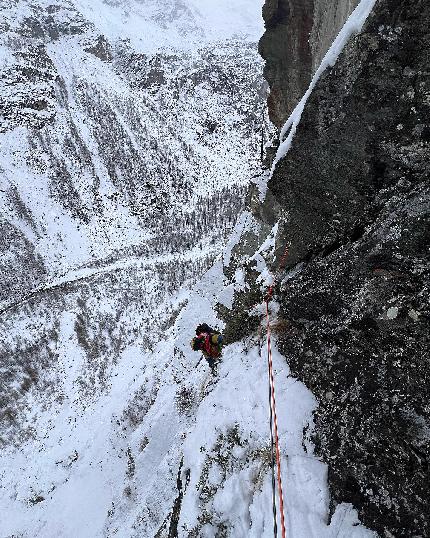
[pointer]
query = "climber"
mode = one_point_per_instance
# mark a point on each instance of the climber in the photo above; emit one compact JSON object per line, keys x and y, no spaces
{"x":209,"y":342}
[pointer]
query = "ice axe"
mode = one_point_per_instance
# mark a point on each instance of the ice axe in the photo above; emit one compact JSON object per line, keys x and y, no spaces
{"x":199,"y":361}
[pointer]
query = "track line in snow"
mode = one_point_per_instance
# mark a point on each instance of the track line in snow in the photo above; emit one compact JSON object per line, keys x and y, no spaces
{"x":79,"y":275}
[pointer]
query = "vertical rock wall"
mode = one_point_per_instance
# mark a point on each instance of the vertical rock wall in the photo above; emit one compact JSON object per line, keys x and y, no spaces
{"x":298,"y":34}
{"x":352,"y":198}
{"x":329,"y":17}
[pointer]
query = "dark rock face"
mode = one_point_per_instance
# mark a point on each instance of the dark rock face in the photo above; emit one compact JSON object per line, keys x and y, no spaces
{"x":287,"y":28}
{"x":298,"y":34}
{"x":355,"y":189}
{"x":101,"y":49}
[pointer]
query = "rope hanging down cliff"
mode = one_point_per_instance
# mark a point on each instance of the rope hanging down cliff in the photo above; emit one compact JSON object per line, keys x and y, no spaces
{"x":274,"y":439}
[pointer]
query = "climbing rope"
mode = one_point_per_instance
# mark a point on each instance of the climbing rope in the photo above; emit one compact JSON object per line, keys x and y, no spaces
{"x":272,"y":452}
{"x":274,"y":437}
{"x":274,"y":421}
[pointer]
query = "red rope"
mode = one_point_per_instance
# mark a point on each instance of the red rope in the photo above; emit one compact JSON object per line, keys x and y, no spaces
{"x":272,"y":448}
{"x":273,"y":399}
{"x":275,"y":420}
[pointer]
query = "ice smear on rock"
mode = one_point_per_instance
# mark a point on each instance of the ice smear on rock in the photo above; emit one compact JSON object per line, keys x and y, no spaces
{"x":353,"y":25}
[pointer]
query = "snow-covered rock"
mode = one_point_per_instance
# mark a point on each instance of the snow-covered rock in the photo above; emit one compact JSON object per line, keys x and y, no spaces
{"x":128,"y":132}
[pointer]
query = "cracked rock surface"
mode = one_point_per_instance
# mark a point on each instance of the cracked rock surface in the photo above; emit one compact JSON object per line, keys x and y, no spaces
{"x":352,"y":200}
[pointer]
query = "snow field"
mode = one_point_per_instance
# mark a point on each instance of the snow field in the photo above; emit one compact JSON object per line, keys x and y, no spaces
{"x":153,"y":24}
{"x":109,"y":466}
{"x":78,"y":79}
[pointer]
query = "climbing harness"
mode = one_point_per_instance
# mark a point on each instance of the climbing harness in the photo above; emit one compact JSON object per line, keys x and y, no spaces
{"x":274,"y":437}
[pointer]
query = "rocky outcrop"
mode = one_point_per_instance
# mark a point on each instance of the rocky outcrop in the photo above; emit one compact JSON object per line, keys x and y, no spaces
{"x":352,"y":199}
{"x":298,"y":34}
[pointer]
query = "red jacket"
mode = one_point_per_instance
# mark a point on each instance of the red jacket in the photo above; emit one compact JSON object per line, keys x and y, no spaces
{"x":211,"y":344}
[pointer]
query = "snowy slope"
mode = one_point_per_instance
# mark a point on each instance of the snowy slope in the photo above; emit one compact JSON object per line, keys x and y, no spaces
{"x":107,"y":465}
{"x":103,"y":146}
{"x":154,"y":24}
{"x":122,"y":173}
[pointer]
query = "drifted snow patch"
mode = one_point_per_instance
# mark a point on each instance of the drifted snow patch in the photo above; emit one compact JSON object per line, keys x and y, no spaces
{"x":392,"y":312}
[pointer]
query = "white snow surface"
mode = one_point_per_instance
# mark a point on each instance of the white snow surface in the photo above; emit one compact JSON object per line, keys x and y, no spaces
{"x":352,"y":26}
{"x":180,"y":24}
{"x":186,"y":140}
{"x":99,"y":476}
